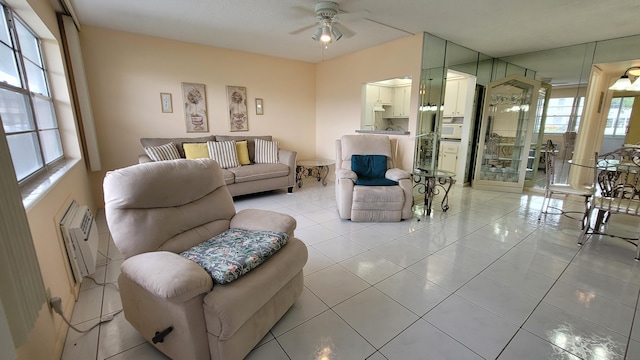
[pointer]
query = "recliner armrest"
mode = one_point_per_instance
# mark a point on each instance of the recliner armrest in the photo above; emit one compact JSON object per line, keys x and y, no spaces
{"x":346,"y":174}
{"x":167,"y":275}
{"x":264,"y":220}
{"x":396,"y":174}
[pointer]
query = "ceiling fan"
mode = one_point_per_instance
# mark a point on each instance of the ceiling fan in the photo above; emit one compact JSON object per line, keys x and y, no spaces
{"x":327,"y":28}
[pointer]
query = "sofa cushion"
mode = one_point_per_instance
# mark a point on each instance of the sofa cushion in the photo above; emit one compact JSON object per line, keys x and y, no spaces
{"x":259,"y":172}
{"x":196,"y":150}
{"x":224,"y":153}
{"x":163,"y":152}
{"x":145,"y":142}
{"x":235,"y":252}
{"x":243,"y":152}
{"x":266,"y":152}
{"x":251,"y":146}
{"x":228,"y":176}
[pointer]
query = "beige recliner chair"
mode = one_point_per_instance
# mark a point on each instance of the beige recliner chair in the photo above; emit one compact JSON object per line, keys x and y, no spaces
{"x":371,"y":202}
{"x":157,"y":210}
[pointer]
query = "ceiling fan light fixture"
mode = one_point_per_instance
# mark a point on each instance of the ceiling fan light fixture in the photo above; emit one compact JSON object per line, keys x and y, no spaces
{"x":326,"y":34}
{"x":337,"y":34}
{"x":316,"y":35}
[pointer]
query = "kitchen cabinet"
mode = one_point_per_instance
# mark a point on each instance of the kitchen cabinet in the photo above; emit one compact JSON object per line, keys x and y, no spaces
{"x":379,"y":94}
{"x":455,"y":98}
{"x":505,"y":134}
{"x":401,"y":101}
{"x":448,"y":156}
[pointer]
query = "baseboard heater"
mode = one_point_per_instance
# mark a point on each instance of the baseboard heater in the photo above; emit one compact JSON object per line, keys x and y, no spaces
{"x":80,"y":235}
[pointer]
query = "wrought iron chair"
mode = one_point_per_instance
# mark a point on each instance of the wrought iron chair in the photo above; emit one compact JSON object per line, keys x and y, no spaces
{"x":564,"y":189}
{"x":617,"y":176}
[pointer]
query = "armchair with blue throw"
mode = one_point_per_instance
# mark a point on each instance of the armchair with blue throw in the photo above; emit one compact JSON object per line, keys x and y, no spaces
{"x":368,"y":187}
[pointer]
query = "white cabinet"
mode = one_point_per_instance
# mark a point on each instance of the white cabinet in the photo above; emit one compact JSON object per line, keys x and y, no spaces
{"x":448,"y":156}
{"x":379,"y":94}
{"x":401,"y":101}
{"x":455,"y":97}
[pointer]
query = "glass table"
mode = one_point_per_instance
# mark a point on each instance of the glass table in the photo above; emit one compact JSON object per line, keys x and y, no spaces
{"x":318,"y":169}
{"x":430,"y":183}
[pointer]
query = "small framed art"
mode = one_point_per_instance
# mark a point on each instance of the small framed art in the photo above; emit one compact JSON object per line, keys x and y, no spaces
{"x":166,"y":102}
{"x":259,"y":108}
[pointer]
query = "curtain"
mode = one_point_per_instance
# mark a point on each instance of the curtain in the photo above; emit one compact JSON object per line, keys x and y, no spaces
{"x":22,"y":291}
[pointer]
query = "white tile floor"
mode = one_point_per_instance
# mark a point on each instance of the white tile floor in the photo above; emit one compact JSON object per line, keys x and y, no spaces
{"x":482,"y":281}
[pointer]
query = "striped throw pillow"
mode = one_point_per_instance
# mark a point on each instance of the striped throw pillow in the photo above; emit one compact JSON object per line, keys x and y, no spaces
{"x":167,"y":151}
{"x":224,"y":153}
{"x":266,"y":152}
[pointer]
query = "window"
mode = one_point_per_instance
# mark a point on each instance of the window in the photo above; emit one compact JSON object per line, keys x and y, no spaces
{"x":26,"y":106}
{"x":619,"y":115}
{"x":563,"y":114}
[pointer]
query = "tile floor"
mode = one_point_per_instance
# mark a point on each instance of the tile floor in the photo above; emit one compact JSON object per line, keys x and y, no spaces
{"x":484,"y":280}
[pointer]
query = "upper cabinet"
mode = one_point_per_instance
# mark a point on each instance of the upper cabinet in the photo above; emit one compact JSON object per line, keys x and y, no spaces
{"x":379,"y":94}
{"x":455,"y":97}
{"x":401,"y":101}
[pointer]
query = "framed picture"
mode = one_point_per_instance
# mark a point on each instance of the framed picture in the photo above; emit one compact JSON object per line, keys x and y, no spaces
{"x":195,"y":107}
{"x":259,"y":108}
{"x":238,"y":116}
{"x":166,"y":103}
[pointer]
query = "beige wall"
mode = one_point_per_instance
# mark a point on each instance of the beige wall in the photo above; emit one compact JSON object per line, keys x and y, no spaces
{"x":126,"y":74}
{"x":339,"y":91}
{"x":46,"y":340}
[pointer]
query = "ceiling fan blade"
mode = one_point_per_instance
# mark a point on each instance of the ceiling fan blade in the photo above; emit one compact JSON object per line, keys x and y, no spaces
{"x":303,"y":29}
{"x":389,"y":26}
{"x":344,"y":30}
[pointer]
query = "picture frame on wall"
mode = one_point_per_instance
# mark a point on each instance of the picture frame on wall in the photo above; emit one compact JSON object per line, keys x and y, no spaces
{"x":195,"y":107}
{"x":259,"y":107}
{"x":237,"y":102}
{"x":166,"y":102}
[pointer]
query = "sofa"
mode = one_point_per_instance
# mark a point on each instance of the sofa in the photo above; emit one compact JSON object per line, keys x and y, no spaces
{"x":245,"y":179}
{"x":158,"y":211}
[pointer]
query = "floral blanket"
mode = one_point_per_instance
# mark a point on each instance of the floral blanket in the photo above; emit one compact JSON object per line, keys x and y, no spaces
{"x":235,"y":252}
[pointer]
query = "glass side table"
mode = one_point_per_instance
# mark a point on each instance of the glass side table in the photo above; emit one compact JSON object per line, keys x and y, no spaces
{"x":318,"y":169}
{"x":430,"y":183}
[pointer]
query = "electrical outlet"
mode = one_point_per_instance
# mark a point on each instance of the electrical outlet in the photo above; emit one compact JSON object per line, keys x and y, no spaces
{"x":56,"y":304}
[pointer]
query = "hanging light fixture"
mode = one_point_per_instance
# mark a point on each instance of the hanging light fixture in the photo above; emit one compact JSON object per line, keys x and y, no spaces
{"x":326,"y":34}
{"x":624,"y":83}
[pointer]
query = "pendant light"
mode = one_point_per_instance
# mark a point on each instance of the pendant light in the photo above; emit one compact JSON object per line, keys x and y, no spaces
{"x":624,"y":83}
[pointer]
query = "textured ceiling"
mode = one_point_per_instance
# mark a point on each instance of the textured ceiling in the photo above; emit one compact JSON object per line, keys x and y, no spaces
{"x":493,"y":27}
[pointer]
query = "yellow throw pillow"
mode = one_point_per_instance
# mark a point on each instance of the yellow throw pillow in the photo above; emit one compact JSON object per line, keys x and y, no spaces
{"x":243,"y":152}
{"x":195,"y":150}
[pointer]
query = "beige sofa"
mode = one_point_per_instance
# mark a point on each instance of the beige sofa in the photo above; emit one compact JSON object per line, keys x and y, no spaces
{"x":156,"y":211}
{"x":245,"y":179}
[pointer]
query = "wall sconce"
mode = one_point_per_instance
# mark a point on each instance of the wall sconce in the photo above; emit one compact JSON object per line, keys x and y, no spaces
{"x":624,"y":83}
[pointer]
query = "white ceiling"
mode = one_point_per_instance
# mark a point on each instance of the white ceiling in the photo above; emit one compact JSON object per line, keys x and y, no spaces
{"x":494,"y":27}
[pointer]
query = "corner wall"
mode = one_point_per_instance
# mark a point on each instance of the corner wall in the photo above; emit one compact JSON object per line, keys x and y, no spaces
{"x":339,"y":91}
{"x":126,"y":74}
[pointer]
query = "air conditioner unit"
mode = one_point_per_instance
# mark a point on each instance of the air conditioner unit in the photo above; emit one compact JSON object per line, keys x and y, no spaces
{"x":81,"y":238}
